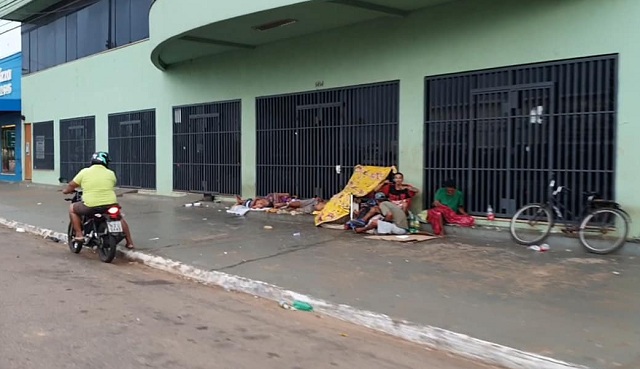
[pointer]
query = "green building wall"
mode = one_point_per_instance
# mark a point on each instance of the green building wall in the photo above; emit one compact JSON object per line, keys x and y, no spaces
{"x":461,"y":36}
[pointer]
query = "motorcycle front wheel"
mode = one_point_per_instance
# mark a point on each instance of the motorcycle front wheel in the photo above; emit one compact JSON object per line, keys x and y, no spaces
{"x":74,"y":246}
{"x":107,"y":251}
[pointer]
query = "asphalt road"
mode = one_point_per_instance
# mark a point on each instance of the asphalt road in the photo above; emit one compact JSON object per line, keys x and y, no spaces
{"x":59,"y":310}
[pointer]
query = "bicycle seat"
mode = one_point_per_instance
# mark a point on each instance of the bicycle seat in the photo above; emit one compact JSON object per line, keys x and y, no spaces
{"x":591,"y":196}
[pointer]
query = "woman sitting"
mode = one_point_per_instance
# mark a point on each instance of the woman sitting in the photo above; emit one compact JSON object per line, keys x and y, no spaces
{"x":448,"y":208}
{"x":398,"y":192}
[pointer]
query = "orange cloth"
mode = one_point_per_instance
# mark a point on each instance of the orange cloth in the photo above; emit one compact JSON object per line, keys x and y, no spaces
{"x":364,"y":180}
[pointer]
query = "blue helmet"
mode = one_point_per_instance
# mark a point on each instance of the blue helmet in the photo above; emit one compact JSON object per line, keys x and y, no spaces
{"x":101,"y":157}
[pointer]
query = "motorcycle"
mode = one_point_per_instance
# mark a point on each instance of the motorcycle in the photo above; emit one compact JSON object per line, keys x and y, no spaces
{"x":103,"y":230}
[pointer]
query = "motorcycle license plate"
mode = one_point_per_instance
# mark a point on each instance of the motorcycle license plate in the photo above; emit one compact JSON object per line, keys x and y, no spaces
{"x":114,"y":227}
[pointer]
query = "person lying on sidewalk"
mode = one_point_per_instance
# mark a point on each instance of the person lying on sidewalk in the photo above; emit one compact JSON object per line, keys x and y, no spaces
{"x":448,"y":207}
{"x":307,"y":206}
{"x":385,"y":218}
{"x":277,"y":199}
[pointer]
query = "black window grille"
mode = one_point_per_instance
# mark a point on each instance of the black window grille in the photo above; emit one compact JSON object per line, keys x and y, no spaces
{"x":308,"y":143}
{"x":77,"y":144}
{"x":43,"y":150}
{"x":501,"y":133}
{"x":132,"y":147}
{"x":206,"y":148}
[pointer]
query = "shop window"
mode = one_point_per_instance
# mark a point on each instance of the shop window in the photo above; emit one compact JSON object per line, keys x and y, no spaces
{"x":43,"y":143}
{"x":8,"y":137}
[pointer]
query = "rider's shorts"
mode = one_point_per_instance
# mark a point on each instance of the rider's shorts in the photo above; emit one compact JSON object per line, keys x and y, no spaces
{"x":83,"y":210}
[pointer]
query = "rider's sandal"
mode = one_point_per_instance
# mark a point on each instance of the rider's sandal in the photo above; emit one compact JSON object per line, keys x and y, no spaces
{"x":130,"y":246}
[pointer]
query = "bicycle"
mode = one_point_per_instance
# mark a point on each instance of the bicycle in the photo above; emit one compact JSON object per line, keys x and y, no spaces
{"x":614,"y":220}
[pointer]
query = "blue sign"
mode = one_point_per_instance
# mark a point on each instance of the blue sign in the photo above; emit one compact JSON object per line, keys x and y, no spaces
{"x":10,"y":82}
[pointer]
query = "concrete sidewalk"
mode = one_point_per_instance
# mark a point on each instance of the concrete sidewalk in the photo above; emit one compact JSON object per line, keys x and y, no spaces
{"x":562,"y":304}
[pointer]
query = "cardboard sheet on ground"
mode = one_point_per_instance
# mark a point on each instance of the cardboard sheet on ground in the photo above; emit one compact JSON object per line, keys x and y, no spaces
{"x":404,"y":238}
{"x":364,"y":180}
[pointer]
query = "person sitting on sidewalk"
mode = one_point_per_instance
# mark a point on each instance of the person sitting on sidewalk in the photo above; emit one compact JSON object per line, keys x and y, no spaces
{"x":399,"y":192}
{"x":385,"y":218}
{"x":98,"y":184}
{"x":448,"y":207}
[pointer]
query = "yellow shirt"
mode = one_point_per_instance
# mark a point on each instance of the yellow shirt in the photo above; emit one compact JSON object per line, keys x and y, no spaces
{"x":98,"y":186}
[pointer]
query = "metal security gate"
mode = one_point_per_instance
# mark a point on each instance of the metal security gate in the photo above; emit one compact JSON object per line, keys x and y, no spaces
{"x":77,"y":144}
{"x":501,"y":133}
{"x":206,"y":148}
{"x":308,"y":143}
{"x":132,"y":146}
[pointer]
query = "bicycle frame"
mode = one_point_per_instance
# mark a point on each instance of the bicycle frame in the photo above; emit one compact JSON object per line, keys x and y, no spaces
{"x":560,"y":210}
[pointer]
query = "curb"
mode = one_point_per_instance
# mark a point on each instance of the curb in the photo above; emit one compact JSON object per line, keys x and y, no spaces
{"x":432,"y":337}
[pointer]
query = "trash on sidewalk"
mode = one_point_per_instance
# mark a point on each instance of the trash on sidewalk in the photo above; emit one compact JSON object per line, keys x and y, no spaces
{"x":20,"y":230}
{"x":542,"y":248}
{"x":616,"y":273}
{"x":296,"y":305}
{"x":267,"y":227}
{"x":190,"y":204}
{"x":154,"y":239}
{"x":238,"y":210}
{"x":403,"y":238}
{"x":297,"y":234}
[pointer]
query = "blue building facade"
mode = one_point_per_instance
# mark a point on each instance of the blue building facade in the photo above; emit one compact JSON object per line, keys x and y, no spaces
{"x":11,"y":125}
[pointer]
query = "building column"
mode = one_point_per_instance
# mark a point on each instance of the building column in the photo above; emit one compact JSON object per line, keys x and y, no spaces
{"x":628,"y":150}
{"x":248,"y":161}
{"x":164,"y":150}
{"x":411,"y":135}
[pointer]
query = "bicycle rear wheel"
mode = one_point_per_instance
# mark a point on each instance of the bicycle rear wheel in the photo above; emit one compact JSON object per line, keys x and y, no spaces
{"x":604,"y":231}
{"x":531,"y":224}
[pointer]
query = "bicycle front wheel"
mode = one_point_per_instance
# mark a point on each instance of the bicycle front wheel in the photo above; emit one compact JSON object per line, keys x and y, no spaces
{"x":604,"y":231}
{"x":531,"y":224}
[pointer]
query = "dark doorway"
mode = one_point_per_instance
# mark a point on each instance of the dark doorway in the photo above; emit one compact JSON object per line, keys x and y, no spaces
{"x":132,"y":146}
{"x":206,"y":148}
{"x":77,"y":144}
{"x":308,"y":143}
{"x":501,"y":133}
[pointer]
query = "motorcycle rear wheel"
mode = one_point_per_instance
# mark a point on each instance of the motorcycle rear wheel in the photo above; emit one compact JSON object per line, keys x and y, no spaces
{"x":107,"y":251}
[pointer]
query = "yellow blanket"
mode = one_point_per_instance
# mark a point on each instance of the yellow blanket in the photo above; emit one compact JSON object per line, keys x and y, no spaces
{"x":364,"y":180}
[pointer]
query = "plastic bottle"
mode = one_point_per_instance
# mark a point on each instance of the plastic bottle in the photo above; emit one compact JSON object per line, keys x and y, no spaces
{"x":412,"y":223}
{"x":283,"y":304}
{"x":490,"y":215}
{"x":302,"y":306}
{"x":296,"y":305}
{"x":416,"y":224}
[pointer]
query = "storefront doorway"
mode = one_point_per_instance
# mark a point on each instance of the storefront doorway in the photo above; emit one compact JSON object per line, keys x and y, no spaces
{"x":28,"y":163}
{"x":501,"y":133}
{"x":308,"y":143}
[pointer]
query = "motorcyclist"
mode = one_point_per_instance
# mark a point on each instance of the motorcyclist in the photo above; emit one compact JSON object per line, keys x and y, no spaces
{"x":98,"y":191}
